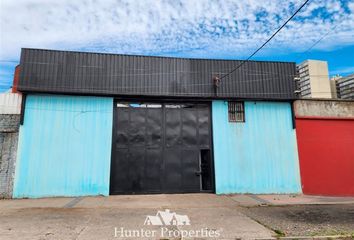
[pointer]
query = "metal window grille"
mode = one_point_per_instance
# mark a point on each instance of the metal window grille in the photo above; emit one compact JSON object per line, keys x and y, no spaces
{"x":236,"y":112}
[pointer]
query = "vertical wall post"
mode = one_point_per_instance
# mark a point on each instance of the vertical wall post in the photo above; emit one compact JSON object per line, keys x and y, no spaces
{"x":23,"y":105}
{"x":293,"y":114}
{"x":216,"y":82}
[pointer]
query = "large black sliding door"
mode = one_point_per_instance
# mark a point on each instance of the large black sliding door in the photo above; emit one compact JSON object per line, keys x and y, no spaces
{"x":161,"y":148}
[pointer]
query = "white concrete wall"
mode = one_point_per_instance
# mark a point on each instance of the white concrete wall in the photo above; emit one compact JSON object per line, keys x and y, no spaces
{"x":10,"y":103}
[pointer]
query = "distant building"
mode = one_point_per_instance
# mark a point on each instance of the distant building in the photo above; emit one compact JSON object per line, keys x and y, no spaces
{"x":345,"y":87}
{"x":333,"y":83}
{"x":314,"y":81}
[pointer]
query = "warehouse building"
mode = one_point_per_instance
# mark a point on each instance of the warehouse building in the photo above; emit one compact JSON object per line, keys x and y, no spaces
{"x":100,"y":124}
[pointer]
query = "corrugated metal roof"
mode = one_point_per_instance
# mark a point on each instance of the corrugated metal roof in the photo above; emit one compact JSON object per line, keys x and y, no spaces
{"x":121,"y":75}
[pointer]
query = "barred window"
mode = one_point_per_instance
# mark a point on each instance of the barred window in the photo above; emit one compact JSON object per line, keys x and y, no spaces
{"x":236,"y":112}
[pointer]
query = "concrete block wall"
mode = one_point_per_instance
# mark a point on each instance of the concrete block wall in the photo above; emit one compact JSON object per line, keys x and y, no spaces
{"x":9,"y":125}
{"x":324,"y":108}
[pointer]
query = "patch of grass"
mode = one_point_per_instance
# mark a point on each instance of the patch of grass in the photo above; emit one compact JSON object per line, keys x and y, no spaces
{"x":279,"y":233}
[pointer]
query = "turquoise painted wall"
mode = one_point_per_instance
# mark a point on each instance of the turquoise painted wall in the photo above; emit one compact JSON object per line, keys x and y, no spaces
{"x":64,"y":147}
{"x":258,"y":156}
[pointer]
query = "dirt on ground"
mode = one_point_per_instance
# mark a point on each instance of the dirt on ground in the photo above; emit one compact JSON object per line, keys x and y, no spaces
{"x":305,"y":220}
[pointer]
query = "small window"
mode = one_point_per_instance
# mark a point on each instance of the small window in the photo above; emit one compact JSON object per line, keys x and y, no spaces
{"x":236,"y":112}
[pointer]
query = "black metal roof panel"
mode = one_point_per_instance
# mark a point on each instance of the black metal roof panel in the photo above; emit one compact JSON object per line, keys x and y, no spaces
{"x":120,"y":75}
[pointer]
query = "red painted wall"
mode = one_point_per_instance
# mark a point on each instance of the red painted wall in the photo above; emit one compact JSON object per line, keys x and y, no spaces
{"x":16,"y":79}
{"x":326,"y":153}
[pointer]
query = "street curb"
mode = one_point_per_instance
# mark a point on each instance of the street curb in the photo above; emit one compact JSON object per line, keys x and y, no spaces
{"x":318,"y":237}
{"x":310,"y":237}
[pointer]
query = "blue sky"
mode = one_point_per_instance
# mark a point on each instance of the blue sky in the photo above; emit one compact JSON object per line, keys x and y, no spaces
{"x":229,"y":29}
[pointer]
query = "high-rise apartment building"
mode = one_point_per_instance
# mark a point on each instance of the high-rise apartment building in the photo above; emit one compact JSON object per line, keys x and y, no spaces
{"x":314,"y":80}
{"x":345,"y":87}
{"x":333,"y":83}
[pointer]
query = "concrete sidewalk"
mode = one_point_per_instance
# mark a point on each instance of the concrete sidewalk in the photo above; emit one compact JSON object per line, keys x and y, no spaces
{"x":250,"y":200}
{"x":173,"y":200}
{"x":103,"y":217}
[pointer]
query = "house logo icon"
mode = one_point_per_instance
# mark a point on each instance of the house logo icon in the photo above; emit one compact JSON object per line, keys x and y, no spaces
{"x":167,"y":218}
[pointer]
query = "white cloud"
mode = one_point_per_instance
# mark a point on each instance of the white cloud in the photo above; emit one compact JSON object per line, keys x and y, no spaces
{"x":195,"y":28}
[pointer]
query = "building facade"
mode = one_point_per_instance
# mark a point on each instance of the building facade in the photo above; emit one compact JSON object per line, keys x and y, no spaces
{"x":325,"y":131}
{"x":314,"y":80}
{"x":258,"y":155}
{"x":100,"y":124}
{"x":345,"y":87}
{"x":64,"y":146}
{"x":334,"y":90}
{"x":103,"y":124}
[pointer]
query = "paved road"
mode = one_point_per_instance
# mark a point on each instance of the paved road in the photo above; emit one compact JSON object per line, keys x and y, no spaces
{"x":306,"y":220}
{"x":211,"y":217}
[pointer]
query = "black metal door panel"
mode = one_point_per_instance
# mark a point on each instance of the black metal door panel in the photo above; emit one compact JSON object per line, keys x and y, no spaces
{"x":161,"y":148}
{"x":154,"y":130}
{"x":136,"y":171}
{"x":137,"y":127}
{"x":172,"y":170}
{"x":189,"y":127}
{"x":120,"y":168}
{"x":204,"y":127}
{"x":172,"y":126}
{"x":191,"y":170}
{"x":121,"y":134}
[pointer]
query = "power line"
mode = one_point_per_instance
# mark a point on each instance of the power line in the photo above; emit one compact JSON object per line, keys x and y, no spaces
{"x":320,"y":39}
{"x":254,"y":53}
